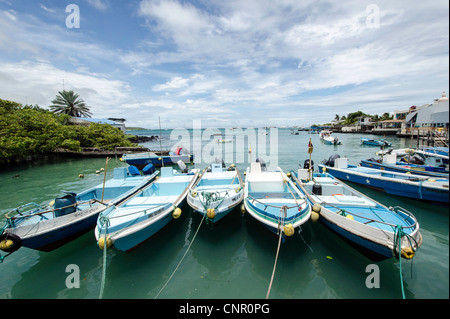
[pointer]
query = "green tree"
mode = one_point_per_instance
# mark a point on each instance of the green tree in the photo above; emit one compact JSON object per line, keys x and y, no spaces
{"x":70,"y":103}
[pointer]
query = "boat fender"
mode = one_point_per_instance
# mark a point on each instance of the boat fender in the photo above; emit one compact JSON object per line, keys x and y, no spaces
{"x":101,"y":242}
{"x":317,"y":208}
{"x":211,"y":213}
{"x":288,"y":230}
{"x":314,"y":216}
{"x":349,"y":217}
{"x":176,"y":213}
{"x":288,"y":175}
{"x":10,"y":243}
{"x":407,"y":253}
{"x":243,"y":209}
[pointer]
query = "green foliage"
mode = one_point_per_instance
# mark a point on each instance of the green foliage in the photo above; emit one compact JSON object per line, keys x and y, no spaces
{"x":30,"y":130}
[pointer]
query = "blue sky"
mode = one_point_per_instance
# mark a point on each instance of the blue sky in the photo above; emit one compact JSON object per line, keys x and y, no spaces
{"x":228,"y":63}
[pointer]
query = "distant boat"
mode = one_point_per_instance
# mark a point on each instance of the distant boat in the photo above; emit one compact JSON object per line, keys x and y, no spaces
{"x":46,"y":228}
{"x":158,"y":159}
{"x":369,"y":226}
{"x":129,"y":223}
{"x":371,"y":142}
{"x":221,"y":140}
{"x":327,"y":138}
{"x":217,"y":192}
{"x":273,"y":200}
{"x":407,"y":185}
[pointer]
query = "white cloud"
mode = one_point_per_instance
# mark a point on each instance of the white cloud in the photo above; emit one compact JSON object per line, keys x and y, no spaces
{"x":101,"y":5}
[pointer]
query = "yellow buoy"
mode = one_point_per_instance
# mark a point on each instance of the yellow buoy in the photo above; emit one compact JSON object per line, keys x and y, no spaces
{"x":350,"y":217}
{"x":243,"y":209}
{"x":121,"y":159}
{"x":314,"y":216}
{"x":176,"y":213}
{"x":81,"y":176}
{"x":288,"y":175}
{"x":102,"y":169}
{"x":288,"y":230}
{"x":211,"y":213}
{"x":6,"y":244}
{"x":324,"y":169}
{"x":101,"y":242}
{"x":317,"y":208}
{"x":408,"y":253}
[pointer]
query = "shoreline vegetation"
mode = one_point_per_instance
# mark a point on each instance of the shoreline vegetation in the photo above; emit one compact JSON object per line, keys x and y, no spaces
{"x":27,"y":132}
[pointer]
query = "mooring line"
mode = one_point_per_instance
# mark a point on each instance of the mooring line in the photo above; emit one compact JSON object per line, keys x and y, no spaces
{"x":280,"y":223}
{"x":182,"y":258}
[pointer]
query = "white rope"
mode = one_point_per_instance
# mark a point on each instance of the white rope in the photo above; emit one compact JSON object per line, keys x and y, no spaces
{"x":278,"y":249}
{"x":182,"y":258}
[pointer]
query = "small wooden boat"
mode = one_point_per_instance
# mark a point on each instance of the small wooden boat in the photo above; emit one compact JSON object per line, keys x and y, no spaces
{"x":372,"y":142}
{"x":216,"y":192}
{"x":48,"y":227}
{"x":272,"y":199}
{"x":327,"y":138}
{"x":434,"y":190}
{"x":375,"y":230}
{"x":158,"y":159}
{"x":126,"y":225}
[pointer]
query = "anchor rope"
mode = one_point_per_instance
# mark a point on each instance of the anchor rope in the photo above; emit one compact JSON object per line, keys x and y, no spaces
{"x":281,"y":221}
{"x":182,"y":258}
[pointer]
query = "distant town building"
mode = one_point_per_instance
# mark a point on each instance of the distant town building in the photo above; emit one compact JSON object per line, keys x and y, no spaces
{"x":429,"y":116}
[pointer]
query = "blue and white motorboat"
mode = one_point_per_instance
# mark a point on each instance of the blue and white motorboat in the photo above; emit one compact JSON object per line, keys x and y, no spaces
{"x":372,"y":142}
{"x":375,"y":230}
{"x":158,"y":159}
{"x":216,"y":192}
{"x":48,"y":227}
{"x":126,"y":225}
{"x":327,"y":138}
{"x":272,"y":199}
{"x":434,"y":190}
{"x":401,"y":167}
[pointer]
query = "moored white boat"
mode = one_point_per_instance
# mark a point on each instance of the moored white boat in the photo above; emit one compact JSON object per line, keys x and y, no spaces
{"x":128,"y":224}
{"x":48,"y":227}
{"x":327,"y":138}
{"x":273,"y":200}
{"x":375,"y":230}
{"x":217,"y":192}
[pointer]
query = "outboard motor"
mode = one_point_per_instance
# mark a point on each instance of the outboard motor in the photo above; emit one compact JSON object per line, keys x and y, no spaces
{"x":317,"y":189}
{"x":182,"y":166}
{"x":219,"y":160}
{"x":308,"y":165}
{"x":263,"y":164}
{"x":330,"y":161}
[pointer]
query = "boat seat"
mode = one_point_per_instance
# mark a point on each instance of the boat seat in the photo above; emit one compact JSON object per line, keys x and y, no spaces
{"x":166,"y":171}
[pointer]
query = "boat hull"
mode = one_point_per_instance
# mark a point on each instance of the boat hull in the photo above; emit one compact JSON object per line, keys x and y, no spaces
{"x":426,"y":171}
{"x":420,"y":190}
{"x":157,"y":161}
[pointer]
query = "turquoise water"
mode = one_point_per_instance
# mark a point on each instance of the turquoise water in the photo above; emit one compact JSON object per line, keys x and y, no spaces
{"x":232,"y":260}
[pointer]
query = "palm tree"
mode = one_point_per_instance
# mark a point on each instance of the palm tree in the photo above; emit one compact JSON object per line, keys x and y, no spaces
{"x":70,"y":103}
